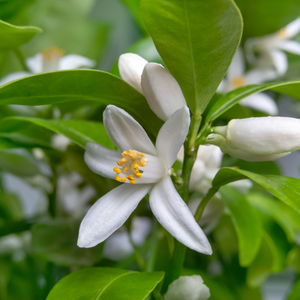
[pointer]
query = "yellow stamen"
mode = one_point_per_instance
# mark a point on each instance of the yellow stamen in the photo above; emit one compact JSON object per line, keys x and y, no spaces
{"x":282,"y":34}
{"x":140,"y":154}
{"x":130,"y":177}
{"x":123,"y":179}
{"x":136,"y":166}
{"x":124,"y":153}
{"x":118,"y":178}
{"x":125,"y":169}
{"x":117,"y":170}
{"x":139,"y":175}
{"x":132,"y":181}
{"x":238,"y":81}
{"x":143,"y":161}
{"x":122,"y":161}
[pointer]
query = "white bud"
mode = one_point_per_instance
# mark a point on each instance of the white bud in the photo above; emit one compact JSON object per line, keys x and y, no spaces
{"x":188,"y":288}
{"x":131,"y":67}
{"x":161,"y":90}
{"x":219,"y":140}
{"x":267,"y":135}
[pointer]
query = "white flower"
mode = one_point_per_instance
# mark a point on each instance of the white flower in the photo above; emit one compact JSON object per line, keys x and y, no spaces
{"x":119,"y":245}
{"x":271,"y":47}
{"x":237,"y":77}
{"x":267,"y":135}
{"x":188,"y":288}
{"x":159,"y":87}
{"x":142,"y":167}
{"x":60,"y":142}
{"x":51,"y":59}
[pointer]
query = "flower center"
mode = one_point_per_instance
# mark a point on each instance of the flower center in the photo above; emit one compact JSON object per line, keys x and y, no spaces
{"x":51,"y":58}
{"x":238,"y":81}
{"x":282,"y":34}
{"x":129,"y":166}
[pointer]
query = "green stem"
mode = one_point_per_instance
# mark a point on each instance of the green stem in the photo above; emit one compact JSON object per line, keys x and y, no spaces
{"x":203,"y":203}
{"x":21,"y":59}
{"x":195,"y":124}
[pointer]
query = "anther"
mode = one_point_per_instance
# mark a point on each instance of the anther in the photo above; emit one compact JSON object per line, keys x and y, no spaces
{"x":132,"y":181}
{"x":130,"y":177}
{"x":123,"y":179}
{"x":118,"y":178}
{"x":143,"y":161}
{"x":132,"y":155}
{"x":117,"y":170}
{"x":125,"y":169}
{"x":124,"y":153}
{"x":140,"y":154}
{"x":139,"y":175}
{"x":136,"y":166}
{"x":122,"y":161}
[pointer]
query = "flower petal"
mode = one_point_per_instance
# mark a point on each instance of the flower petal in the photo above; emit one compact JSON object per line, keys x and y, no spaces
{"x":101,"y":160}
{"x":13,"y":76}
{"x":109,"y":213}
{"x":293,"y":28}
{"x":35,"y":63}
{"x":74,"y":61}
{"x":131,"y":67}
{"x":162,"y":91}
{"x":172,"y":135}
{"x":290,"y":46}
{"x":125,"y":132}
{"x":261,"y":102}
{"x":237,"y":66}
{"x":279,"y":60}
{"x":257,"y":76}
{"x":174,"y":215}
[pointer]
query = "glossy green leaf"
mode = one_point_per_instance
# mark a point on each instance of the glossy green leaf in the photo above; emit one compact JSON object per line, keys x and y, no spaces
{"x":196,"y":40}
{"x":285,"y":216}
{"x":105,"y":284}
{"x":12,"y":36}
{"x":294,"y":295}
{"x":10,"y":8}
{"x":246,"y":222}
{"x":80,"y":132}
{"x":84,"y":86}
{"x":286,"y":189}
{"x":293,"y":259}
{"x":6,"y":143}
{"x":291,"y":88}
{"x":269,"y":15}
{"x":56,"y":240}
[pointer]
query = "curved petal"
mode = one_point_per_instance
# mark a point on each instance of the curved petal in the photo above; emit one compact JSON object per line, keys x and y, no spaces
{"x":279,"y":60}
{"x":257,"y":76}
{"x":74,"y":61}
{"x":290,"y":46}
{"x":101,"y":160}
{"x":293,"y":28}
{"x":109,"y":213}
{"x":125,"y":132}
{"x":237,"y":67}
{"x":13,"y":76}
{"x":131,"y":67}
{"x":162,"y":91}
{"x":174,"y":215}
{"x":172,"y":135}
{"x":261,"y":102}
{"x":35,"y":63}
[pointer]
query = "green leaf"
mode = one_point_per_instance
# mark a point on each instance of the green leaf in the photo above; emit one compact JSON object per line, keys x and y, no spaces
{"x":293,"y":259}
{"x":10,"y":8}
{"x":80,"y":132}
{"x":246,"y":222}
{"x":290,"y":88}
{"x":56,"y":240}
{"x":294,"y":295}
{"x":84,"y":86}
{"x":196,"y":40}
{"x":105,"y":284}
{"x":10,"y":207}
{"x":13,"y":37}
{"x":286,"y":189}
{"x":269,"y":15}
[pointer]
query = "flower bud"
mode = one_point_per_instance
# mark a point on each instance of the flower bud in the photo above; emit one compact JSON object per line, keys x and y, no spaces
{"x":161,"y":90}
{"x":219,"y":140}
{"x":267,"y":135}
{"x":188,"y":288}
{"x":131,"y":67}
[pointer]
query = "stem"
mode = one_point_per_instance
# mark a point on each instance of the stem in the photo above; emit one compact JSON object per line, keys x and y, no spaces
{"x":203,"y":203}
{"x":195,"y":124}
{"x":21,"y":59}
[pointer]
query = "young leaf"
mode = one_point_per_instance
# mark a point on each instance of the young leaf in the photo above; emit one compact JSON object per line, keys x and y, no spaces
{"x":286,"y":189}
{"x":80,"y":132}
{"x":105,"y":284}
{"x":196,"y":40}
{"x":13,"y":37}
{"x":84,"y":86}
{"x":246,"y":222}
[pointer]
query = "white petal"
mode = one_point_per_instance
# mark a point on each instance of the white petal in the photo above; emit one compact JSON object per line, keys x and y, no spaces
{"x":174,"y":215}
{"x":261,"y":102}
{"x":74,"y":61}
{"x":13,"y":76}
{"x":198,"y":173}
{"x":131,"y":67}
{"x":293,"y":28}
{"x":125,"y":132}
{"x":290,"y":46}
{"x":257,"y":76}
{"x":35,"y":63}
{"x":172,"y":135}
{"x":109,"y":213}
{"x":237,"y":67}
{"x":279,"y":60}
{"x":101,"y":160}
{"x":161,"y":90}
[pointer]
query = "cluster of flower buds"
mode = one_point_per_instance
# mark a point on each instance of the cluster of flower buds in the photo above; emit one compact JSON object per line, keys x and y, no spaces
{"x":258,"y":139}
